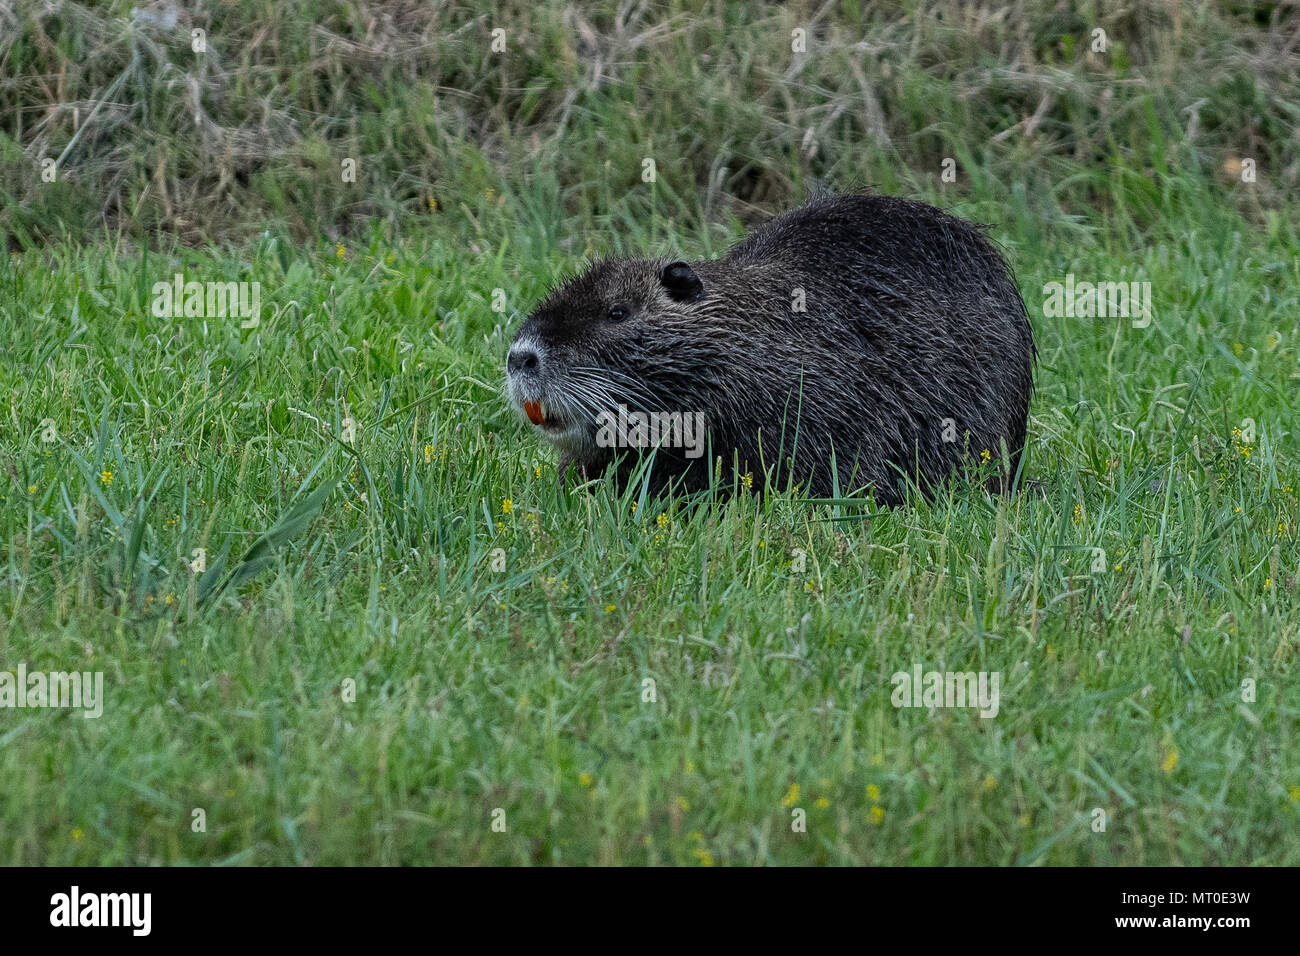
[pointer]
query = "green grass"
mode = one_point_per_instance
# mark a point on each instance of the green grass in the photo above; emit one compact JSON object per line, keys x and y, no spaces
{"x":522,"y":689}
{"x":770,"y":628}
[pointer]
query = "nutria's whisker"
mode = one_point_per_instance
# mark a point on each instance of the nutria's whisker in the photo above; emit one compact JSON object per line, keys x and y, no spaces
{"x":603,"y":394}
{"x":590,"y":401}
{"x":629,"y":386}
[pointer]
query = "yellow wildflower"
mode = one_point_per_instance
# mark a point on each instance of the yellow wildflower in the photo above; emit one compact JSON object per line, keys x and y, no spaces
{"x":1170,"y":761}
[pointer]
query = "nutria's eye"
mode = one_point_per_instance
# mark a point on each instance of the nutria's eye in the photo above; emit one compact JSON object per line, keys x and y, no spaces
{"x":616,"y":314}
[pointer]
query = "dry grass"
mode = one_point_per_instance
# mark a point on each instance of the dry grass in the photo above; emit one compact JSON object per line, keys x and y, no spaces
{"x":152,"y":137}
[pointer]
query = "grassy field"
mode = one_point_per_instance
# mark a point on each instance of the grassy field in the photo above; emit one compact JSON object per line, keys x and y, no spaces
{"x":342,"y":608}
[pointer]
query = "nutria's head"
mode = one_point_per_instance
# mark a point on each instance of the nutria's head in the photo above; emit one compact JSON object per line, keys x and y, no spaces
{"x":625,"y":332}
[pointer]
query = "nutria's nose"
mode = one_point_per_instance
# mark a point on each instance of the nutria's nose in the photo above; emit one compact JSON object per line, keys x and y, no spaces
{"x":522,"y":358}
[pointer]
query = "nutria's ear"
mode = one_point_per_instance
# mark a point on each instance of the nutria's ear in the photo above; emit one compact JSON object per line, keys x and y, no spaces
{"x":681,"y":281}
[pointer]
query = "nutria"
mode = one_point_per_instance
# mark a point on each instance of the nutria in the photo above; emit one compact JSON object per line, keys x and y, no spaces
{"x":856,"y":343}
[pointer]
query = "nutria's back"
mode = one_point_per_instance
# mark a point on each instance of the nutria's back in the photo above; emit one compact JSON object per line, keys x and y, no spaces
{"x":877,"y":333}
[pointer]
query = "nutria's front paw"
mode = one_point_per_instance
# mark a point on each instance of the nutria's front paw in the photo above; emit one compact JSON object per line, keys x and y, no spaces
{"x":565,"y":464}
{"x":577,"y":465}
